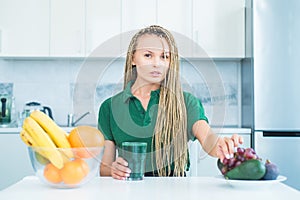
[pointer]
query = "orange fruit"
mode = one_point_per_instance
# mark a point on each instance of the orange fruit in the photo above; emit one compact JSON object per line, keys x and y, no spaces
{"x":83,"y":137}
{"x":52,"y":174}
{"x":84,"y":165}
{"x":74,"y":171}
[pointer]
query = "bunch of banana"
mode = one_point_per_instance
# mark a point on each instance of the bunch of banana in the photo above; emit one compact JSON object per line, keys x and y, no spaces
{"x":39,"y":130}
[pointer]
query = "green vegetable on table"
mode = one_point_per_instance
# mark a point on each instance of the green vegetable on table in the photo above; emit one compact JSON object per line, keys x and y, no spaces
{"x":246,"y":165}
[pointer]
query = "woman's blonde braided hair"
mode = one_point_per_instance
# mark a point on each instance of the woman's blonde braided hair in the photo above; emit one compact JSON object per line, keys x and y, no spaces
{"x":171,"y":125}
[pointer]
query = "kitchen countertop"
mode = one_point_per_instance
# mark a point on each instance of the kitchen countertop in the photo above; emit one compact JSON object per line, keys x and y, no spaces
{"x":15,"y":130}
{"x":173,"y":188}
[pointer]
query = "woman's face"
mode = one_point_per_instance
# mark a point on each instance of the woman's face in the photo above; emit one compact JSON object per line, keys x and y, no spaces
{"x":152,"y":59}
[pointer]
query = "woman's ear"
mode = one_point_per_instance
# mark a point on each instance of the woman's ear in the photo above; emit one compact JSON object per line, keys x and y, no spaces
{"x":133,"y":59}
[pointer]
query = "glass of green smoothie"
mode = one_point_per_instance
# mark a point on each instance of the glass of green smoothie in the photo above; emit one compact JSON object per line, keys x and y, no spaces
{"x":135,"y":154}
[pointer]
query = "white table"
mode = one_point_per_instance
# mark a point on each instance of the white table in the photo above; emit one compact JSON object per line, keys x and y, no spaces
{"x":163,"y":188}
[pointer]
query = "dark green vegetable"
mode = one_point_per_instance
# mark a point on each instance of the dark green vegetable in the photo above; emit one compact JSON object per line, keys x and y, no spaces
{"x":252,"y":169}
{"x":220,"y":165}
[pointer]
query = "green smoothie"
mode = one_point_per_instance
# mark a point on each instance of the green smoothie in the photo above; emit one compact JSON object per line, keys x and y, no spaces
{"x":135,"y":154}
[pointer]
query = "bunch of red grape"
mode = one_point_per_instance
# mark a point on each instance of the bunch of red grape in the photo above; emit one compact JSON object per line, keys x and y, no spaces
{"x":240,"y":156}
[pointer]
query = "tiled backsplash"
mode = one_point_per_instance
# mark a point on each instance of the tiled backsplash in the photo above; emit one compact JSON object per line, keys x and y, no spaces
{"x":57,"y":84}
{"x":6,"y":89}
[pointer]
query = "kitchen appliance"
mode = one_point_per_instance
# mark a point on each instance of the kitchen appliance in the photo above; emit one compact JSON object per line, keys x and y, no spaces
{"x":31,"y":106}
{"x":276,"y":50}
{"x":5,"y":110}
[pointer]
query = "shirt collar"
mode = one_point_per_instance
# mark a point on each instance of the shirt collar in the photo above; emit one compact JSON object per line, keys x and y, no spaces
{"x":127,"y":91}
{"x":127,"y":94}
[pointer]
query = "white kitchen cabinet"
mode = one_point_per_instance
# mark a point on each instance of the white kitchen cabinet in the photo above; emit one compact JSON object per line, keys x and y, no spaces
{"x":24,"y":27}
{"x":174,"y":15}
{"x":137,"y":14}
{"x":204,"y":165}
{"x":177,"y":17}
{"x":219,"y":28}
{"x":67,"y":28}
{"x":15,"y":161}
{"x":75,"y":28}
{"x":103,"y":26}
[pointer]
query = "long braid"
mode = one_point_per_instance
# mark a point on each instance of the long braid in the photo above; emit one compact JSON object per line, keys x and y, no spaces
{"x":171,"y":125}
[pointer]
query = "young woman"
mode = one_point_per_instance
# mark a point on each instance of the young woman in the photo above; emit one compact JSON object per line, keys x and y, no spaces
{"x":153,"y":108}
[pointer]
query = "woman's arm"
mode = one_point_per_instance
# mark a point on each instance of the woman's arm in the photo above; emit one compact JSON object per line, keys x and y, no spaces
{"x":112,"y":166}
{"x":213,"y":144}
{"x":108,"y":157}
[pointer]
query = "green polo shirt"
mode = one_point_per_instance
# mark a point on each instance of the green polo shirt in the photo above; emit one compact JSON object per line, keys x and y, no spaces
{"x":122,"y":118}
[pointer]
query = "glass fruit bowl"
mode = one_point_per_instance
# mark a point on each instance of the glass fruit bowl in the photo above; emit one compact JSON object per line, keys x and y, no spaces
{"x":65,"y":167}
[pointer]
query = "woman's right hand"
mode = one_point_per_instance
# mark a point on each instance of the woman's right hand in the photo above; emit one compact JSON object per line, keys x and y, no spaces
{"x":119,"y":169}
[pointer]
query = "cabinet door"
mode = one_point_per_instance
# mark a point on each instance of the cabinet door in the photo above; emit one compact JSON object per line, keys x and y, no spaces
{"x":176,"y":16}
{"x":67,"y":36}
{"x":103,"y":24}
{"x":137,"y":14}
{"x":24,"y":28}
{"x":15,"y":161}
{"x":219,"y":27}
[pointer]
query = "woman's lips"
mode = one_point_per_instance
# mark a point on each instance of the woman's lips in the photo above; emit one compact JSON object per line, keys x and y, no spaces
{"x":155,"y":73}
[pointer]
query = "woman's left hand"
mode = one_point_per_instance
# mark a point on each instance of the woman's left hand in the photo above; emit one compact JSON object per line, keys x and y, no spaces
{"x":227,"y":145}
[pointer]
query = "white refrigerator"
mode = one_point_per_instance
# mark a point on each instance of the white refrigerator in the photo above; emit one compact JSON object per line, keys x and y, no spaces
{"x":276,"y":65}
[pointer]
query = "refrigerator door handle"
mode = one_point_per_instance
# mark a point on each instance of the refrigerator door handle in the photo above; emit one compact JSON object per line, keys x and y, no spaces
{"x":281,"y":133}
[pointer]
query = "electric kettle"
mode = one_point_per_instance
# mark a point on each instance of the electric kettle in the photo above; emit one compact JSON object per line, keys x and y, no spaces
{"x":31,"y":106}
{"x":5,"y":109}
